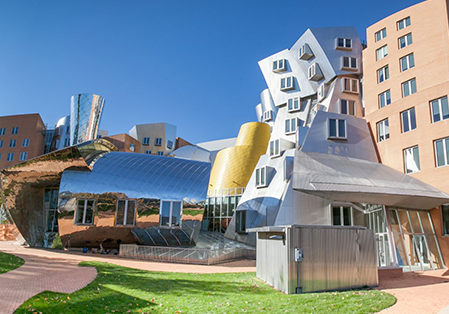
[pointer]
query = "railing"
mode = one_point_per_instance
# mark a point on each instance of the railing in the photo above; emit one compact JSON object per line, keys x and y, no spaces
{"x":185,"y":255}
{"x":225,"y":192}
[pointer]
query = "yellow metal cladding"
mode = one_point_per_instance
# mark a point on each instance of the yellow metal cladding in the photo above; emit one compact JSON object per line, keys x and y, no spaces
{"x":234,"y":165}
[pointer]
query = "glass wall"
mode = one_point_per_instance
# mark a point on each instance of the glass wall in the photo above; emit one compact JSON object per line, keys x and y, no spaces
{"x":219,"y":212}
{"x":50,"y":209}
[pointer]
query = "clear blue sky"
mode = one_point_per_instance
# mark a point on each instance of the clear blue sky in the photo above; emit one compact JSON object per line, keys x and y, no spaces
{"x":189,"y":63}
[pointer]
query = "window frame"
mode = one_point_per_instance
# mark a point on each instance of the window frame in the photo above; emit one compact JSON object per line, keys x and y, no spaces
{"x":351,"y":85}
{"x":148,"y":152}
{"x":349,"y":104}
{"x":146,"y":141}
{"x":83,"y":223}
{"x":286,"y":80}
{"x":383,"y":74}
{"x":440,"y":109}
{"x":410,"y":87}
{"x":409,"y":120}
{"x":26,"y":142}
{"x":160,"y":153}
{"x":14,"y":130}
{"x":2,"y":131}
{"x":445,"y":228}
{"x":291,"y":122}
{"x":384,"y":50}
{"x":407,"y":58}
{"x":267,"y":115}
{"x":337,"y":130}
{"x":10,"y":157}
{"x":125,"y":213}
{"x":383,"y":125}
{"x":413,"y":156}
{"x":158,"y":141}
{"x":445,"y":143}
{"x":240,"y":220}
{"x":261,"y":177}
{"x":278,"y":68}
{"x":350,"y":65}
{"x":320,"y":92}
{"x":407,"y":37}
{"x":23,"y":156}
{"x":345,"y":43}
{"x":274,"y":151}
{"x":293,"y":101}
{"x":342,"y":220}
{"x":398,"y":23}
{"x":12,"y":143}
{"x":382,"y":32}
{"x":387,"y":100}
{"x":170,"y":222}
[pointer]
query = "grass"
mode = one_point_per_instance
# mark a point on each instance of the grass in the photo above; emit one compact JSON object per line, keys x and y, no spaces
{"x":9,"y":262}
{"x":124,"y":290}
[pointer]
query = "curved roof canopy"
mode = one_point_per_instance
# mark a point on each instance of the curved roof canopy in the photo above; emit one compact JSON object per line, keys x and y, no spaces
{"x":141,"y":176}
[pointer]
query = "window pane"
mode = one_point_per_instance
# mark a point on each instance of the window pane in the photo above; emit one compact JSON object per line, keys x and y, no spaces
{"x":165,"y":213}
{"x":344,"y":106}
{"x":387,"y":129}
{"x":405,"y":122}
{"x":277,"y":147}
{"x":262,"y":176}
{"x":445,"y":209}
{"x":283,"y":83}
{"x":89,"y":212}
{"x":405,"y":89}
{"x":440,"y":153}
{"x":447,"y":150}
{"x":444,"y":108}
{"x":332,"y":127}
{"x":412,"y":119}
{"x":290,"y":104}
{"x":281,"y":64}
{"x":351,"y":108}
{"x":411,"y":60}
{"x":355,"y":87}
{"x":413,"y":82}
{"x":387,"y":93}
{"x":130,"y":213}
{"x":176,"y":214}
{"x":347,"y":216}
{"x":120,"y":212}
{"x":403,"y":64}
{"x":341,"y":128}
{"x":296,"y":106}
{"x":435,"y":110}
{"x":275,"y":65}
{"x":416,"y":157}
{"x":353,"y":63}
{"x":257,"y":177}
{"x":336,"y":219}
{"x":347,"y":85}
{"x":287,"y":126}
{"x":289,"y":81}
{"x":346,"y":62}
{"x":340,"y":42}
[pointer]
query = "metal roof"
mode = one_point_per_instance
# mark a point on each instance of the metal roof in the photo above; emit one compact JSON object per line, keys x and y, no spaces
{"x":141,"y":176}
{"x":355,"y":180}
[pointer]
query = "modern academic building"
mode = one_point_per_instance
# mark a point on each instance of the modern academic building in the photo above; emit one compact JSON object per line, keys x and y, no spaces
{"x":346,"y":135}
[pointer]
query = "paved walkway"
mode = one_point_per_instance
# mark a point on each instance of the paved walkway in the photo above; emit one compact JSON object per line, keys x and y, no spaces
{"x":418,"y":292}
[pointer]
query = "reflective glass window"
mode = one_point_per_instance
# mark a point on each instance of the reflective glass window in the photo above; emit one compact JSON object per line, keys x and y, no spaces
{"x":85,"y":212}
{"x":171,"y":213}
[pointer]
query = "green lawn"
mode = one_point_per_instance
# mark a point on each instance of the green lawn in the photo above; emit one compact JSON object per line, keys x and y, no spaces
{"x":9,"y":262}
{"x":124,"y":290}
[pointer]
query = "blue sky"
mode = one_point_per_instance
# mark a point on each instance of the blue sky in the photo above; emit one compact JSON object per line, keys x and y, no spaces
{"x":188,"y":63}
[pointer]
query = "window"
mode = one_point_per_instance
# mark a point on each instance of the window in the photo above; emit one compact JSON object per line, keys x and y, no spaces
{"x":23,"y":156}
{"x":320,"y":92}
{"x":287,"y":83}
{"x":381,"y":53}
{"x":383,"y":74}
{"x":293,"y":104}
{"x":10,"y":157}
{"x":279,"y":65}
{"x":66,"y":142}
{"x":1,"y":144}
{"x":341,"y":215}
{"x":170,"y":214}
{"x":132,"y":147}
{"x":274,"y":148}
{"x":381,"y":34}
{"x":409,"y":87}
{"x":240,"y":222}
{"x":383,"y":130}
{"x":158,"y":141}
{"x":126,"y":213}
{"x":85,"y":212}
{"x":347,"y":107}
{"x":305,"y":53}
{"x":268,"y":115}
{"x":261,"y":177}
{"x":148,"y":152}
{"x":411,"y":160}
{"x":408,"y":120}
{"x":337,"y":128}
{"x":403,"y":23}
{"x":407,"y":62}
{"x":15,"y":130}
{"x":405,"y":40}
{"x":314,"y":72}
{"x":169,"y":144}
{"x":2,"y":131}
{"x":25,"y":142}
{"x":344,"y":43}
{"x":442,"y":152}
{"x":440,"y":109}
{"x":290,"y":126}
{"x":384,"y":99}
{"x":160,"y":153}
{"x":349,"y":63}
{"x":445,"y":211}
{"x":146,"y":141}
{"x":12,"y":143}
{"x":67,"y":130}
{"x":350,"y":85}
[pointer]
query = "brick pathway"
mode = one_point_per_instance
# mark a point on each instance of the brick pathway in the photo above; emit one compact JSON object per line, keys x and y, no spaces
{"x":418,"y":292}
{"x":39,"y":274}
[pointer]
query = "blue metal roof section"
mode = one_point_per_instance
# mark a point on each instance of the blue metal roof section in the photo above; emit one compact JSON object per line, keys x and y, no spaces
{"x":141,"y":176}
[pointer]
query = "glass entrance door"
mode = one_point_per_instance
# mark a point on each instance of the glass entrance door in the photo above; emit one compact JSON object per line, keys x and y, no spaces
{"x":378,"y":223}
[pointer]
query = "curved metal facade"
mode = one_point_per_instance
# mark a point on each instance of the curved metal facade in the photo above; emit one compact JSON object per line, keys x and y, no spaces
{"x":85,"y":115}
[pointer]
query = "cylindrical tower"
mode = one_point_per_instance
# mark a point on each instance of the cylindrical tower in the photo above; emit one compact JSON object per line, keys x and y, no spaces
{"x":85,"y":115}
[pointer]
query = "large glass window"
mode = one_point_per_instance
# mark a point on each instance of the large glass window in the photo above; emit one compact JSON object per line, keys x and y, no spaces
{"x":337,"y":128}
{"x":382,"y":52}
{"x":442,"y":152}
{"x":408,"y":120}
{"x":411,"y":160}
{"x":126,"y":212}
{"x":84,"y":212}
{"x":384,"y":99}
{"x":341,"y":215}
{"x":405,"y":40}
{"x":409,"y":87}
{"x":383,"y":74}
{"x":440,"y":109}
{"x":383,"y":130}
{"x":407,"y":62}
{"x":170,"y":214}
